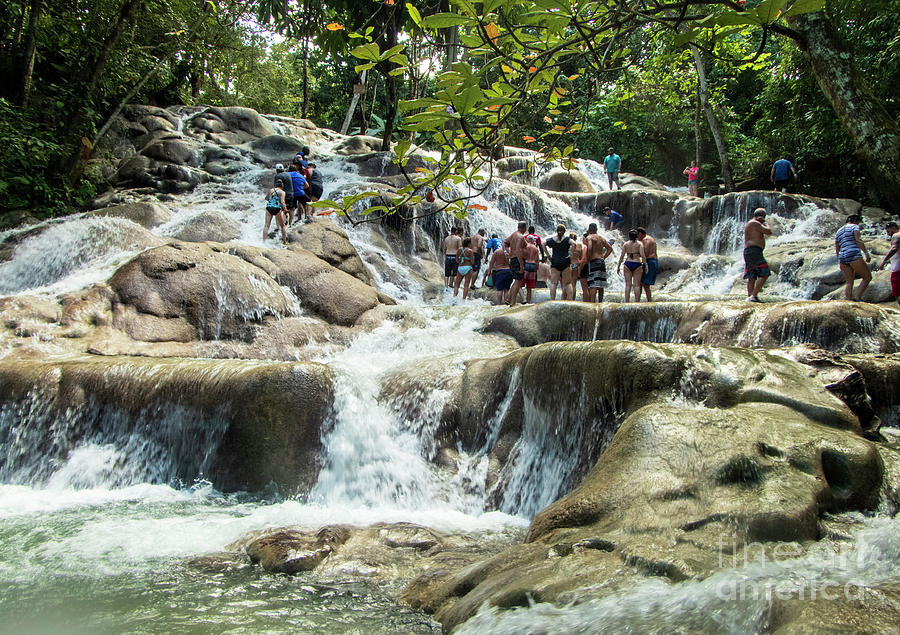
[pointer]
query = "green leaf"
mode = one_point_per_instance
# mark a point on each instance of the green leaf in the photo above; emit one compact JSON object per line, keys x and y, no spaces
{"x":803,"y":6}
{"x":415,"y":15}
{"x":445,"y":20}
{"x":768,"y":9}
{"x":368,"y":51}
{"x":364,"y":67}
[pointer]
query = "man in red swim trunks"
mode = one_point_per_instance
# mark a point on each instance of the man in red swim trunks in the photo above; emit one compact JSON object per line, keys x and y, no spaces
{"x":893,"y":256}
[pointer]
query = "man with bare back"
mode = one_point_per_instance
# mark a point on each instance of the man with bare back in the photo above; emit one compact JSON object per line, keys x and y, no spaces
{"x":531,"y":266}
{"x":595,"y":252}
{"x":452,"y":244}
{"x":517,"y":261}
{"x":648,"y":279}
{"x":756,"y":269}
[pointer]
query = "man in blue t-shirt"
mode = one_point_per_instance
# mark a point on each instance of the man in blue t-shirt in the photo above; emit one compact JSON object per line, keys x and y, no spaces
{"x":781,"y":174}
{"x":612,"y":164}
{"x":492,"y":245}
{"x":615,"y":218}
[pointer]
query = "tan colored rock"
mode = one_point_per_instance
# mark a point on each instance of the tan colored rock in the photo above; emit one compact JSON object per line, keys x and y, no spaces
{"x":209,"y":226}
{"x":358,"y":144}
{"x":290,"y":551}
{"x":560,"y":180}
{"x":330,"y":243}
{"x":244,"y":120}
{"x":145,"y":214}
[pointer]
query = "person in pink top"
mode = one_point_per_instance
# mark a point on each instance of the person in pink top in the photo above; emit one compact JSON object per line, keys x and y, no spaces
{"x":693,"y":174}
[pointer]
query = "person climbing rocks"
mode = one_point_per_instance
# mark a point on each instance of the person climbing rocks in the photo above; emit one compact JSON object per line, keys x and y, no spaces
{"x":652,"y":260}
{"x":893,"y":256}
{"x":612,"y":164}
{"x":781,"y":173}
{"x":849,"y":248}
{"x":693,"y":174}
{"x":615,"y":218}
{"x":300,"y":186}
{"x":275,"y":206}
{"x":316,"y":185}
{"x":596,"y":251}
{"x":452,"y":245}
{"x":285,"y":176}
{"x":756,"y":269}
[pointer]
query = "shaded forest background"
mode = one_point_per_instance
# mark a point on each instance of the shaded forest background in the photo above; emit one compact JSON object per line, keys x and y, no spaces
{"x":66,"y":67}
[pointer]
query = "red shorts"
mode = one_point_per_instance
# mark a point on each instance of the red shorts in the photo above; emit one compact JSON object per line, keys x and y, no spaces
{"x":895,"y":284}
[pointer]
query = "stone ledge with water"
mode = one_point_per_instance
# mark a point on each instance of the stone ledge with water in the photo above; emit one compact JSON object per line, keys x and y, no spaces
{"x":181,"y":399}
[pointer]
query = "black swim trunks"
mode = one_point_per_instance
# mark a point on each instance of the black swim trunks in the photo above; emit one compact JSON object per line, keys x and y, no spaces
{"x":515,"y":267}
{"x":273,"y":210}
{"x":755,"y":265}
{"x":476,"y":263}
{"x":450,"y":266}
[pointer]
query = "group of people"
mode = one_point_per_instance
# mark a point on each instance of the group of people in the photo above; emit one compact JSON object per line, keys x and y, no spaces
{"x":848,"y":247}
{"x":518,"y":262}
{"x":293,"y":189}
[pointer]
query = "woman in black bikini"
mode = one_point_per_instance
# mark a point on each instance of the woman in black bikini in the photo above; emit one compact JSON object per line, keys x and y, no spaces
{"x":635,"y":265}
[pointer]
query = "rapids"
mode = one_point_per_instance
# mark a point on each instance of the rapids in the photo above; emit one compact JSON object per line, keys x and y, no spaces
{"x":112,"y":535}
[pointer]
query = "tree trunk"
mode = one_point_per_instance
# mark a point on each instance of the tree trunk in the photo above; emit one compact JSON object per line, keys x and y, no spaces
{"x":874,"y":133}
{"x":390,"y":81}
{"x":353,"y":102}
{"x":698,"y":143}
{"x":24,"y":94}
{"x":714,"y":127}
{"x":305,"y":113}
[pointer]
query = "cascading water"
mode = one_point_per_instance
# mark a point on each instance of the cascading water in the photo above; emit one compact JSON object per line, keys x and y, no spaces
{"x":100,"y":508}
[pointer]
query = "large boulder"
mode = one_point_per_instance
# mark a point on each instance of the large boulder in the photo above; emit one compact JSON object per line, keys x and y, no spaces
{"x":208,"y":226}
{"x":741,"y":448}
{"x":358,"y":144}
{"x":145,"y":214}
{"x":243,"y":425}
{"x":275,"y":149}
{"x":559,"y":180}
{"x":330,"y":243}
{"x":244,"y":120}
{"x":203,"y":288}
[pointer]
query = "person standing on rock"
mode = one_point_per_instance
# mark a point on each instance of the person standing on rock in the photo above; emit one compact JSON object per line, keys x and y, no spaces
{"x":282,"y":174}
{"x":465,"y":258}
{"x":756,"y":269}
{"x":651,"y":259}
{"x":275,"y":205}
{"x":516,"y":243}
{"x":615,"y":218}
{"x":612,"y":164}
{"x":477,"y":244}
{"x":576,"y":250}
{"x":781,"y":173}
{"x":498,"y":268}
{"x":531,"y":266}
{"x":633,"y":258}
{"x":537,"y":241}
{"x":452,"y":245}
{"x":596,"y":251}
{"x":560,"y":263}
{"x":893,"y":256}
{"x":849,"y":248}
{"x":693,"y":174}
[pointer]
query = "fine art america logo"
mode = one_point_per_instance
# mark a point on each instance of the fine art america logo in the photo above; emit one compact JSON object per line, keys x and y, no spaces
{"x":787,"y":571}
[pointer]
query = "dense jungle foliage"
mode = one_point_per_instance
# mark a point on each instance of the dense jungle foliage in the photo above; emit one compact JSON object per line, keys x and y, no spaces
{"x":67,"y":67}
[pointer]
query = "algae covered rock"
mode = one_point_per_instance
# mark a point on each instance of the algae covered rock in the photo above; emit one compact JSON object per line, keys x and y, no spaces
{"x":145,"y":214}
{"x":330,"y":243}
{"x":693,"y":448}
{"x":245,"y":425}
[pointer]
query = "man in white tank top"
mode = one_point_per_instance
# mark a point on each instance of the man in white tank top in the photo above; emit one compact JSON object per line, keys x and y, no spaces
{"x":893,"y":256}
